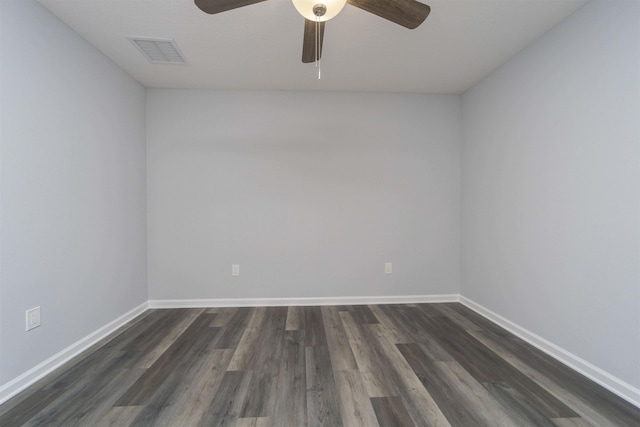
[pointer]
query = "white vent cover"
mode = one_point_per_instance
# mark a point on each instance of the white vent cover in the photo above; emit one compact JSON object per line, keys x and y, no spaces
{"x":159,"y":51}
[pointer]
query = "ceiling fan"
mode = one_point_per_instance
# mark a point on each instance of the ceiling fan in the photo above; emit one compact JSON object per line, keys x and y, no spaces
{"x":408,"y":13}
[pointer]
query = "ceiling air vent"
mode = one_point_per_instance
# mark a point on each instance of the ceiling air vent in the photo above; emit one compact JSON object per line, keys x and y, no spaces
{"x":159,"y":51}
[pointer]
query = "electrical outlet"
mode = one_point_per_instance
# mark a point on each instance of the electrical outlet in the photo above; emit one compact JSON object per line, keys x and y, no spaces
{"x":388,"y":268}
{"x":33,"y":318}
{"x":235,"y":269}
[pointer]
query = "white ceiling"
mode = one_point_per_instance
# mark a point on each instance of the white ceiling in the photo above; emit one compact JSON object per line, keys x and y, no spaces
{"x":259,"y":47}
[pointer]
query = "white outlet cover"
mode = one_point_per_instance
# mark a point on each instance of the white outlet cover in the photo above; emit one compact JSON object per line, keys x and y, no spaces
{"x":33,"y":318}
{"x":388,"y":268}
{"x":235,"y":269}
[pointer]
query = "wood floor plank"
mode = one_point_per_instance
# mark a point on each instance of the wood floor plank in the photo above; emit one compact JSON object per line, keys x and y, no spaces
{"x":233,"y":328}
{"x":165,"y":366}
{"x":118,"y":416}
{"x":368,"y":358}
{"x":193,"y":394}
{"x":363,"y":314}
{"x":291,"y":382}
{"x":150,"y":355}
{"x":421,"y":353}
{"x":458,"y":318}
{"x":294,"y":318}
{"x":339,"y":349}
{"x":29,"y":407}
{"x":493,"y":412}
{"x":249,"y":344}
{"x":314,"y":327}
{"x":572,"y":422}
{"x":178,"y":374}
{"x":387,"y":326}
{"x":518,"y":408}
{"x":262,"y":396}
{"x":102,"y":399}
{"x":224,"y":410}
{"x":147,"y":338}
{"x":355,"y":405}
{"x":402,"y":320}
{"x":223,"y":316}
{"x":253,"y":422}
{"x":420,"y":404}
{"x":390,"y":411}
{"x":323,"y":408}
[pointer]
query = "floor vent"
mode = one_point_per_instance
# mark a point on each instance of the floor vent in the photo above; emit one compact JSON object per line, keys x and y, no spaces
{"x":159,"y":51}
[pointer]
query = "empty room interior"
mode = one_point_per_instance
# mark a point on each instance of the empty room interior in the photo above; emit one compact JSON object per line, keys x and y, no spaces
{"x":432,"y":219}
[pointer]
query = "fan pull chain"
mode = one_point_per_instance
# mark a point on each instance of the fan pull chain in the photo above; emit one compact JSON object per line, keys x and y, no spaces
{"x":317,"y":48}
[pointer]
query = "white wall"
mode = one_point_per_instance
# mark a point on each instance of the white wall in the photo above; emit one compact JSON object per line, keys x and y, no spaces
{"x":551,"y":188}
{"x":72,"y":187}
{"x":309,"y":192}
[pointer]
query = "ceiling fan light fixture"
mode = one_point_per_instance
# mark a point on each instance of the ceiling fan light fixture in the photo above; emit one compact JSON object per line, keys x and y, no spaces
{"x":308,"y":8}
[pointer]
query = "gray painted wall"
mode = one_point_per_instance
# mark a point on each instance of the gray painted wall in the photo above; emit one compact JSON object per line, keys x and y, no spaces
{"x":309,"y":192}
{"x":73,"y":187}
{"x":551,"y":188}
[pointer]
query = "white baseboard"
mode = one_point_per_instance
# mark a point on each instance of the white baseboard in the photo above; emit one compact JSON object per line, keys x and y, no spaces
{"x":274,"y":302}
{"x":605,"y":379}
{"x":23,"y":381}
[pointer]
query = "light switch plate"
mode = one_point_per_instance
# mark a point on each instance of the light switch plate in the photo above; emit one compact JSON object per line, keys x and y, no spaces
{"x":33,"y":318}
{"x":388,"y":268}
{"x":235,"y":269}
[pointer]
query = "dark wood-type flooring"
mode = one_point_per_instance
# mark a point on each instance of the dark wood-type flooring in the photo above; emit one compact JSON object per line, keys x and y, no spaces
{"x":387,"y":365}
